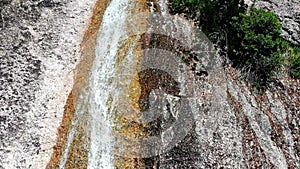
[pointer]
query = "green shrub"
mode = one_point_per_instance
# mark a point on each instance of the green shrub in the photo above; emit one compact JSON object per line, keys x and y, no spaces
{"x":252,"y":40}
{"x":295,"y":62}
{"x":211,"y":16}
{"x":257,"y":44}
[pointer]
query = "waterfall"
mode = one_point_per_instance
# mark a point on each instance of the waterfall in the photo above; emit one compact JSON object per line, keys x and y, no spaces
{"x":115,"y":85}
{"x":94,"y":99}
{"x":101,"y":89}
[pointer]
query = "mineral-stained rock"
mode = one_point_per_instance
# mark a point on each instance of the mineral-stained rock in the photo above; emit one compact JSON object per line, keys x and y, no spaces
{"x":234,"y":128}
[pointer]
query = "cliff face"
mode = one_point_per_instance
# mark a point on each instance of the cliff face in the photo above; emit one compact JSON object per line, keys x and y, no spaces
{"x":243,"y":129}
{"x":233,"y":127}
{"x":39,"y":48}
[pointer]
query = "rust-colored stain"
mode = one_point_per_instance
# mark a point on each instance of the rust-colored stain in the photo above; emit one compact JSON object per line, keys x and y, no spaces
{"x":130,"y":128}
{"x":78,"y":157}
{"x":138,"y":90}
{"x":79,"y":148}
{"x":125,"y":127}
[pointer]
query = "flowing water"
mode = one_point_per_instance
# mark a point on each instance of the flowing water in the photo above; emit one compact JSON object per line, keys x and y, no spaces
{"x":146,"y":95}
{"x":94,"y":99}
{"x":101,"y":89}
{"x":115,"y":85}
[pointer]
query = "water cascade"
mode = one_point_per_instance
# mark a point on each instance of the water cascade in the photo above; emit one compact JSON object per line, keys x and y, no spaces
{"x":136,"y":86}
{"x":156,"y":94}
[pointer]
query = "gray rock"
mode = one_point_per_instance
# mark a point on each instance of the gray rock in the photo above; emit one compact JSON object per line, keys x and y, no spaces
{"x":234,"y":128}
{"x":39,"y":42}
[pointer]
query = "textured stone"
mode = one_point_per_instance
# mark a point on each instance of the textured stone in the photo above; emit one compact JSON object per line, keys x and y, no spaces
{"x":39,"y":42}
{"x":234,"y":128}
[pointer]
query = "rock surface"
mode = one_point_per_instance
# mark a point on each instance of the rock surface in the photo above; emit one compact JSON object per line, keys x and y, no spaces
{"x":39,"y":42}
{"x":235,"y":128}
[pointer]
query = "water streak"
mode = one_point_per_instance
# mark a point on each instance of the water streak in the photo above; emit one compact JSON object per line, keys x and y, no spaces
{"x":101,"y":89}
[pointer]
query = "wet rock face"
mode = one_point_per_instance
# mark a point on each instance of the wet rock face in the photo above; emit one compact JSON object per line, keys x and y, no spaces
{"x":151,"y":79}
{"x":234,"y":128}
{"x":288,"y":12}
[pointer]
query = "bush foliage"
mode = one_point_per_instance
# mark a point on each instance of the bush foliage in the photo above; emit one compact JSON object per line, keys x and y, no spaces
{"x":211,"y":16}
{"x":257,"y":44}
{"x":295,"y":62}
{"x":250,"y":38}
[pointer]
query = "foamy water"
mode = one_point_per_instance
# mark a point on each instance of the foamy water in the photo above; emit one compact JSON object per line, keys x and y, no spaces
{"x":101,"y":88}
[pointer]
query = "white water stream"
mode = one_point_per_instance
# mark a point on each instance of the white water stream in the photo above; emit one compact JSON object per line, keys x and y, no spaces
{"x":112,"y":30}
{"x":100,"y":89}
{"x":108,"y":80}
